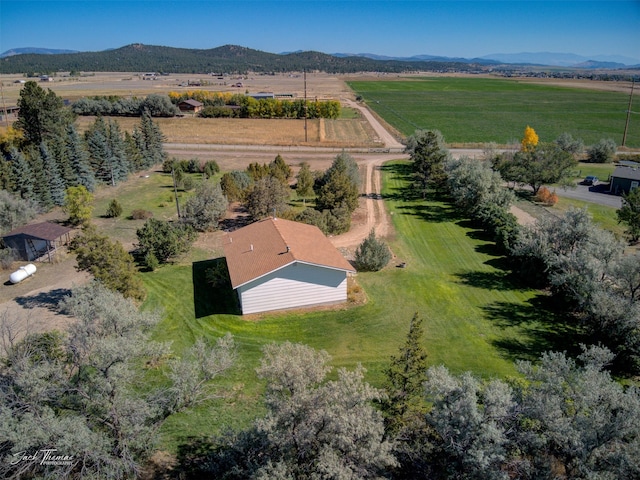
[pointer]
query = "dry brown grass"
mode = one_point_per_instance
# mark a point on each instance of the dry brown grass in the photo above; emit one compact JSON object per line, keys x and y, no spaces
{"x":242,"y":131}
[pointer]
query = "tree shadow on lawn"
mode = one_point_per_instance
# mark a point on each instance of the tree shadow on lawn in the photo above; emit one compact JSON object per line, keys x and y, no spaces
{"x":542,"y":328}
{"x":430,"y":213}
{"x":211,"y":299}
{"x":404,"y":173}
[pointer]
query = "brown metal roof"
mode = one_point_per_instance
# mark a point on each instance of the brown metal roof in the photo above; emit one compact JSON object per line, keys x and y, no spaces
{"x":45,"y":231}
{"x":270,"y":244}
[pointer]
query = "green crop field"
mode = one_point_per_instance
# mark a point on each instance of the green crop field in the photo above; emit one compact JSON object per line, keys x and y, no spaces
{"x":480,"y":110}
{"x":476,"y":318}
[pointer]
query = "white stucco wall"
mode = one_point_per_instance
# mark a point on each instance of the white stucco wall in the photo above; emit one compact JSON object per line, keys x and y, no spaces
{"x":296,"y":285}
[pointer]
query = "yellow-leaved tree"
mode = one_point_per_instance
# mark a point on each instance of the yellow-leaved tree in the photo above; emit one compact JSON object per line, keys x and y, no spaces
{"x":530,"y":139}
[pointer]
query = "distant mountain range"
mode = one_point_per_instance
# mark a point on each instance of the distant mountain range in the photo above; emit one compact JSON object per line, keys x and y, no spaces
{"x":237,"y":59}
{"x":42,"y":51}
{"x":525,"y":58}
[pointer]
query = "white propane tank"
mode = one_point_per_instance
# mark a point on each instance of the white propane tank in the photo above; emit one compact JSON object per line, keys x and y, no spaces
{"x":22,"y":273}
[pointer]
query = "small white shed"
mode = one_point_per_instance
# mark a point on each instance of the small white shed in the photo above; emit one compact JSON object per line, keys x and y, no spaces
{"x":277,"y":264}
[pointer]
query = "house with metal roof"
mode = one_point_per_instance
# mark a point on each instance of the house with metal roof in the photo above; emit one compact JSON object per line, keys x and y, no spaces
{"x":38,"y":241}
{"x":277,"y":264}
{"x":624,"y":179}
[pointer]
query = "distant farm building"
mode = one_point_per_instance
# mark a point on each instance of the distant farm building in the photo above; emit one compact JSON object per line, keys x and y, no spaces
{"x":39,"y":241}
{"x":192,"y":106}
{"x":262,"y":95}
{"x":624,"y":179}
{"x":277,"y":264}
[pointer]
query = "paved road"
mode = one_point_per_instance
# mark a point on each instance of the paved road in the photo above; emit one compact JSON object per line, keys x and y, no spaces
{"x":594,"y":194}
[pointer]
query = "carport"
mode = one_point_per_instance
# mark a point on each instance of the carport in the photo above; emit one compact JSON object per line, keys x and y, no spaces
{"x":38,"y":241}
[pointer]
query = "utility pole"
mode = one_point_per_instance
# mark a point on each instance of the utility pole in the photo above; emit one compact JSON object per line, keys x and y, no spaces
{"x":306,"y":135}
{"x":626,"y":125}
{"x":4,"y":106}
{"x":175,"y":190}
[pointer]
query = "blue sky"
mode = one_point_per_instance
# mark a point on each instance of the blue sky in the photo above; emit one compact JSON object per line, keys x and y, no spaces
{"x":391,"y":27}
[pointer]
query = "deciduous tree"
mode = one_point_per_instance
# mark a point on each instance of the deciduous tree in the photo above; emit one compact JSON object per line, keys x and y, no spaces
{"x":529,"y":140}
{"x":78,"y":204}
{"x":541,"y":165}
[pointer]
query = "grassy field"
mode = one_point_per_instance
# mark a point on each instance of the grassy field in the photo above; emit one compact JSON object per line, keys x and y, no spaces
{"x":478,"y":110}
{"x":475,"y":317}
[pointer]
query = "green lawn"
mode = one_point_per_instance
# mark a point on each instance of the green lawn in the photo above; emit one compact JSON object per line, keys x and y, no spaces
{"x":481,"y":110}
{"x":475,"y":318}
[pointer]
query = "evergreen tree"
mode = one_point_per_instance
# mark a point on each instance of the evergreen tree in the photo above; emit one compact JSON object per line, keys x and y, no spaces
{"x":55,"y":183}
{"x":108,"y":262}
{"x":428,"y":154}
{"x":120,"y":166}
{"x":40,"y":183}
{"x":151,"y":142}
{"x":372,"y":254}
{"x":98,"y":146}
{"x":304,"y":188}
{"x":279,"y":169}
{"x":79,"y":161}
{"x":133,"y":142}
{"x":405,"y":378}
{"x":42,"y":115}
{"x":22,"y":180}
{"x":338,"y":191}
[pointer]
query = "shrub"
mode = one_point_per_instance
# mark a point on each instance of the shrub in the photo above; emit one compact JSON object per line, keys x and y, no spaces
{"x":546,"y":197}
{"x":7,"y":256}
{"x":602,"y":152}
{"x":210,"y":168}
{"x":151,"y":261}
{"x":188,"y":183}
{"x":140,"y":214}
{"x":114,"y":209}
{"x":372,"y":254}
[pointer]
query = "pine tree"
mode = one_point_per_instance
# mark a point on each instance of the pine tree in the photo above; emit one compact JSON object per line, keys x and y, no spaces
{"x":79,"y":160}
{"x":21,"y":175}
{"x":42,"y":115}
{"x":304,"y":188}
{"x":428,"y":154}
{"x":120,"y":166}
{"x":98,"y":147}
{"x":151,"y":142}
{"x":405,"y":377}
{"x":40,"y":183}
{"x":55,"y":183}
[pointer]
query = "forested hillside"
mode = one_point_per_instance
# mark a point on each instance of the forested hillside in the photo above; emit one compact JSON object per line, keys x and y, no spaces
{"x":226,"y":59}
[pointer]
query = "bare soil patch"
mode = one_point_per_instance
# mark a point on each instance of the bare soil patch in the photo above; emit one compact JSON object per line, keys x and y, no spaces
{"x":31,"y":306}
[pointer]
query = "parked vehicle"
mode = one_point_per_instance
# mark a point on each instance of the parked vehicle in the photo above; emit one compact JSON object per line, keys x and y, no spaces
{"x":590,"y":180}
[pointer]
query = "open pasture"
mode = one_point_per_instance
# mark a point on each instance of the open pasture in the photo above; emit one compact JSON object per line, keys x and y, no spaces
{"x":480,"y":110}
